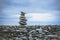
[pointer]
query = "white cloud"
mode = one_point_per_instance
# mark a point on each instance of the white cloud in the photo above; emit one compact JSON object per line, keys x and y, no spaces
{"x":37,"y":17}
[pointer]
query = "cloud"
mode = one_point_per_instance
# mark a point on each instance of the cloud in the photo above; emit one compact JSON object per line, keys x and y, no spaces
{"x":32,"y":18}
{"x":40,"y":4}
{"x":36,"y":11}
{"x":37,"y":17}
{"x":42,"y":17}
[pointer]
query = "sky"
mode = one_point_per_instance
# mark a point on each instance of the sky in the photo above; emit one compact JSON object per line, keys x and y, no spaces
{"x":38,"y":12}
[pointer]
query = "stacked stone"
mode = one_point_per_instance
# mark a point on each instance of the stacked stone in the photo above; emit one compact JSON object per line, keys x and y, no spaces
{"x":22,"y":20}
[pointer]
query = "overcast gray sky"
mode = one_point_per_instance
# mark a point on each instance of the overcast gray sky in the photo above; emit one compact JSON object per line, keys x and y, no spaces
{"x":38,"y":12}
